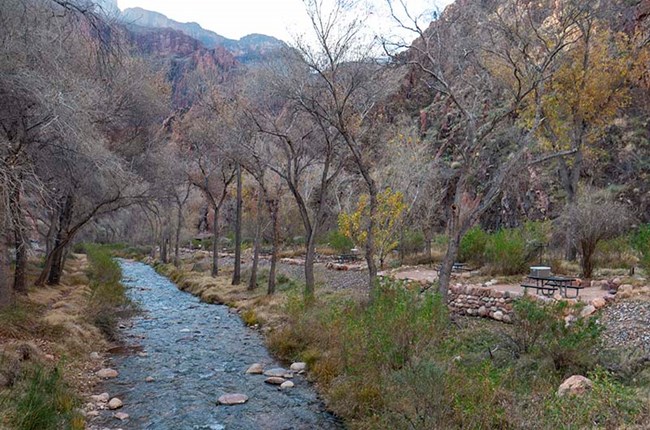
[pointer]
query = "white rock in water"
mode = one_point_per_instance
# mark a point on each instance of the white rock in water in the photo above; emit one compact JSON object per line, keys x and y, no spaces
{"x":115,"y":403}
{"x":149,"y":379}
{"x":275,"y":380}
{"x":100,"y":398}
{"x":232,"y":399}
{"x":121,"y":416}
{"x":107,"y":373}
{"x":298,"y":366}
{"x":255,"y":369}
{"x":278,"y":372}
{"x":287,"y":384}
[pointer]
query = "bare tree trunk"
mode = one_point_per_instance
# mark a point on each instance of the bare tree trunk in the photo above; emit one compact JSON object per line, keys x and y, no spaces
{"x":252,"y":282}
{"x":236,"y":274}
{"x":370,"y":242}
{"x":427,"y":249}
{"x":6,"y":293}
{"x":20,"y":281}
{"x":163,"y":248}
{"x":273,"y":209}
{"x":177,"y":239}
{"x":60,"y":241}
{"x":448,"y":264}
{"x":215,"y":243}
{"x":310,"y":256}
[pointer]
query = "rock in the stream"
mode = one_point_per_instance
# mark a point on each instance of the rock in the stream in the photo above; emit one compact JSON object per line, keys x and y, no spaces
{"x":278,"y":372}
{"x":298,"y":366}
{"x":575,"y":385}
{"x":287,"y":384}
{"x":100,"y":398}
{"x":255,"y":369}
{"x":149,"y":379}
{"x":107,"y":373}
{"x":232,"y":399}
{"x":115,"y":403}
{"x":275,"y":380}
{"x":121,"y":416}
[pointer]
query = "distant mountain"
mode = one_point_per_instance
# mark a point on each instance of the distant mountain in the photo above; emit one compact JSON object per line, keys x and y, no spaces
{"x":251,"y":48}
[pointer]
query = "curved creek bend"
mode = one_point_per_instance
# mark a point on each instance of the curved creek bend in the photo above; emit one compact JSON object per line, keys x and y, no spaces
{"x":196,"y":352}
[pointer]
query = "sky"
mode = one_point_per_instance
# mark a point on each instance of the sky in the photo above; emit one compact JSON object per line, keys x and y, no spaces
{"x":283,"y":19}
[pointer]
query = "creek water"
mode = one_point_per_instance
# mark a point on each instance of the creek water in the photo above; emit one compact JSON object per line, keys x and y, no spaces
{"x":196,"y":352}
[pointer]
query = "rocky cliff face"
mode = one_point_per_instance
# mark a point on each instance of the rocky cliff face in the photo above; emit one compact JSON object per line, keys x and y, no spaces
{"x":251,"y":48}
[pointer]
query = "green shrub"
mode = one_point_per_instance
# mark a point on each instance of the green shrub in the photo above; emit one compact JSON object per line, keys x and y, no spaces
{"x":108,"y":301}
{"x":641,"y":243}
{"x":340,"y":242}
{"x":541,"y":330}
{"x":505,"y":252}
{"x":45,"y":402}
{"x":412,"y":241}
{"x":472,"y":246}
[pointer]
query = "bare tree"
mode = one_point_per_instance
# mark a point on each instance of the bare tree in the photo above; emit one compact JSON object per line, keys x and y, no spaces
{"x":344,"y":86}
{"x":593,"y":217}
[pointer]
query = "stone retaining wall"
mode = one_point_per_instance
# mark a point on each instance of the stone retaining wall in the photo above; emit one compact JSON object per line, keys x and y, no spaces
{"x":481,"y":301}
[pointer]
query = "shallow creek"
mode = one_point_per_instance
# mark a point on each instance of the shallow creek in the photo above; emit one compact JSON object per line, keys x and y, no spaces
{"x":195,"y":352}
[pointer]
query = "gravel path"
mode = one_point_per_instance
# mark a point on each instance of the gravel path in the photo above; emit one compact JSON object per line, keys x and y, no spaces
{"x":627,"y":324}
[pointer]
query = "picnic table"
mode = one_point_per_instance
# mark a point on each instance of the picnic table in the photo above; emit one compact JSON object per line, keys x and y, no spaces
{"x":347,"y":258}
{"x":457,"y":267}
{"x":547,"y":285}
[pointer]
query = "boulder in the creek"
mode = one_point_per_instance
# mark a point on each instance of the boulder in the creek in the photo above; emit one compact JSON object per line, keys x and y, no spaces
{"x":121,"y":416}
{"x":298,"y":366}
{"x":275,"y":380}
{"x":278,"y":372}
{"x":115,"y":403}
{"x":232,"y":399}
{"x":107,"y":373}
{"x":149,"y":379}
{"x":287,"y":384}
{"x":255,"y":369}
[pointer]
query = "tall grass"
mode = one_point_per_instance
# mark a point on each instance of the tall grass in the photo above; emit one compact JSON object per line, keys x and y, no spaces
{"x":45,"y":402}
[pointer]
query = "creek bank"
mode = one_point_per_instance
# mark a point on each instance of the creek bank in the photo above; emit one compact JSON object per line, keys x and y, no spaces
{"x":196,"y":353}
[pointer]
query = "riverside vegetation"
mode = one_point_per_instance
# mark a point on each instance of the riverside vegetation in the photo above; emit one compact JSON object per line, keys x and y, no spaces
{"x":47,"y":338}
{"x":402,"y":361}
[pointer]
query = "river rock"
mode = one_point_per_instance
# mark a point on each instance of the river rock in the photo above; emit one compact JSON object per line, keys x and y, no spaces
{"x":255,"y":369}
{"x":121,"y":416}
{"x":100,"y":398}
{"x":275,"y":380}
{"x":92,"y":414}
{"x":575,"y":385}
{"x":232,"y":399}
{"x":498,"y":315}
{"x":278,"y":372}
{"x":298,"y":366}
{"x":149,"y":379}
{"x":95,"y":356}
{"x":287,"y":384}
{"x":115,"y":403}
{"x":107,"y":373}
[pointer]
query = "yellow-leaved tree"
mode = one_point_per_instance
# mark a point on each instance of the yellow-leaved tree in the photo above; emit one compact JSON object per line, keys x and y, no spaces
{"x":390,"y":209}
{"x":583,"y":97}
